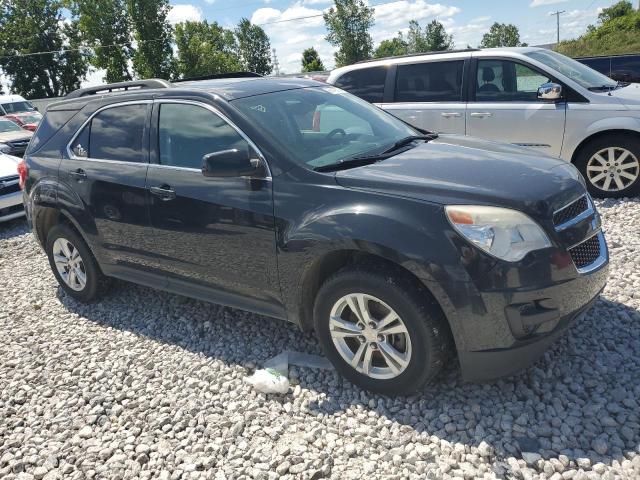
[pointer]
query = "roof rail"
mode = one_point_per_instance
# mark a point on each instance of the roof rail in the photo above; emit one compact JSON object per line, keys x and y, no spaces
{"x":462,"y":50}
{"x":120,"y":87}
{"x":220,"y":75}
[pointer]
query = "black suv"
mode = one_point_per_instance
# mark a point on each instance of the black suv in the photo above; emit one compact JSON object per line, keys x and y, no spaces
{"x":297,"y":200}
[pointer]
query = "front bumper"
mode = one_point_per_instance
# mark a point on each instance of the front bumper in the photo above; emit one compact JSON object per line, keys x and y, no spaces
{"x":11,"y":206}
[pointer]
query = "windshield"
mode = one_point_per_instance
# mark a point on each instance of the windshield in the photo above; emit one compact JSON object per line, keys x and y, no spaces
{"x":576,"y":71}
{"x":323,"y":126}
{"x":9,"y":126}
{"x":15,"y":107}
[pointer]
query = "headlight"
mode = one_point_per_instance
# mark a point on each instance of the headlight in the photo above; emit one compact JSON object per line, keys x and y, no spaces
{"x":501,"y":232}
{"x":4,"y":148}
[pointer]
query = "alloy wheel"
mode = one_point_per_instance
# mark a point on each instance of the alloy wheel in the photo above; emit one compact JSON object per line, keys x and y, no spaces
{"x":370,"y":336}
{"x":613,"y":169}
{"x":69,"y":264}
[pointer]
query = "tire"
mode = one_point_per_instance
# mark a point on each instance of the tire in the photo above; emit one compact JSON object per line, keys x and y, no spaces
{"x":429,"y":340}
{"x":95,"y":282}
{"x":597,"y":155}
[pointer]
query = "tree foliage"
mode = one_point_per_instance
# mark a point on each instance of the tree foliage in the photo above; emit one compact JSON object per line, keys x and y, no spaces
{"x":153,"y":57}
{"x":204,"y":49}
{"x":107,"y":23}
{"x":311,"y":61}
{"x":348,"y":23}
{"x":254,"y":47}
{"x":38,"y":26}
{"x":391,"y":48}
{"x":502,"y":35}
{"x":434,"y":38}
{"x":618,"y":32}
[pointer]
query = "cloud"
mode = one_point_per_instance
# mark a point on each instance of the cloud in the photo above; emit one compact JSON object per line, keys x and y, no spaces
{"x":183,"y":12}
{"x":539,"y":3}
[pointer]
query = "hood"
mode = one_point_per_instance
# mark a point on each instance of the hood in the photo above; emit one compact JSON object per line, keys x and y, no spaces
{"x":8,"y":165}
{"x":629,"y":95}
{"x":463,"y":170}
{"x":17,"y":135}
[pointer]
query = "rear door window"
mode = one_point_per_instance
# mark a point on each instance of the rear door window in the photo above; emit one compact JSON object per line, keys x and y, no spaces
{"x":429,"y":82}
{"x":115,"y":133}
{"x":366,"y":83}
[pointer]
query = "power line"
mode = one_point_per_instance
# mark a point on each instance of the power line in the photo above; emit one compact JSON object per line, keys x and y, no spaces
{"x":557,"y":13}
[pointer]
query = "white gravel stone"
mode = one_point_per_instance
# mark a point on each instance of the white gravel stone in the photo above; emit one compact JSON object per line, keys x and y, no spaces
{"x":150,"y":385}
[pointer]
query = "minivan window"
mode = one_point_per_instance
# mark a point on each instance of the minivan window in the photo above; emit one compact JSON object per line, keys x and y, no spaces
{"x":576,"y":71}
{"x":366,"y":83}
{"x":186,"y":133}
{"x":507,"y":81}
{"x":115,"y":133}
{"x":16,"y":107}
{"x":321,"y":126}
{"x":429,"y":82}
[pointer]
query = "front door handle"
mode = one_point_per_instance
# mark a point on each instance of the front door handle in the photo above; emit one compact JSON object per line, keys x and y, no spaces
{"x":481,"y":114}
{"x":450,"y":114}
{"x":164,"y":192}
{"x":79,"y":174}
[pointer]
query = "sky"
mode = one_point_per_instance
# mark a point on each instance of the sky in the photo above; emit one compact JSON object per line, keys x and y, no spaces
{"x":467,"y":20}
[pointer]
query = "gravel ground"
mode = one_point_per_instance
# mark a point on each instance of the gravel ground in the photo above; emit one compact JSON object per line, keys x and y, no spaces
{"x":150,"y":385}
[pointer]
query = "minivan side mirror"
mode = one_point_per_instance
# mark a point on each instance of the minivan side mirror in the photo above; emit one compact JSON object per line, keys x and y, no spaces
{"x":231,"y":163}
{"x":550,"y":91}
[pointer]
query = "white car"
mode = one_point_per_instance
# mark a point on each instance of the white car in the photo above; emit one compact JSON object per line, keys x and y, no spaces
{"x":531,"y":97}
{"x":10,"y":194}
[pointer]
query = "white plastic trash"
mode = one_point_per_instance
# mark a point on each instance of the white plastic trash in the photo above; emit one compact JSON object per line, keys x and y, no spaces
{"x":269,"y":381}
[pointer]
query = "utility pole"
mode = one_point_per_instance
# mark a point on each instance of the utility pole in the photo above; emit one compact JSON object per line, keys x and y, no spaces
{"x":276,"y":65}
{"x":557,"y":14}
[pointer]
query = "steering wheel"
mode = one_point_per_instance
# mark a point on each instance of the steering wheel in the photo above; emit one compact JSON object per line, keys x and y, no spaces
{"x":336,"y":131}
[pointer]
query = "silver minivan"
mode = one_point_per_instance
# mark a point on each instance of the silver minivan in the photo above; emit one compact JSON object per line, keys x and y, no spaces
{"x":528,"y":96}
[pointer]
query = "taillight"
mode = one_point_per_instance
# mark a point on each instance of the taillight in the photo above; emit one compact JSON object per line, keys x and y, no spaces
{"x":23,"y":171}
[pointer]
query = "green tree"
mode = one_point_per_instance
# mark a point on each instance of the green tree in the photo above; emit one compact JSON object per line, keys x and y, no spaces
{"x":153,"y":56}
{"x":434,"y":38}
{"x":254,"y":47}
{"x":502,"y":35}
{"x":617,"y":10}
{"x":311,"y":61}
{"x":204,"y":49}
{"x":348,"y":23}
{"x":391,"y":48}
{"x":38,"y":26}
{"x":106,"y":23}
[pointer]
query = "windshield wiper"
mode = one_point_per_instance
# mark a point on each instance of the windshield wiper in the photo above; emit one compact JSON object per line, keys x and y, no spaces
{"x":407,"y":140}
{"x":604,"y":88}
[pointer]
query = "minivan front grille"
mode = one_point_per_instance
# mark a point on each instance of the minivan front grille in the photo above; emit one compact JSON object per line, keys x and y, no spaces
{"x":571,"y":211}
{"x":18,"y":144}
{"x":9,"y":185}
{"x":587,"y":252}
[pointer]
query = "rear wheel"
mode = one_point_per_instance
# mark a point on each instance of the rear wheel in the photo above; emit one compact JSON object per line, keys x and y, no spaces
{"x":611,"y":166}
{"x":380,"y":332}
{"x":73,"y":264}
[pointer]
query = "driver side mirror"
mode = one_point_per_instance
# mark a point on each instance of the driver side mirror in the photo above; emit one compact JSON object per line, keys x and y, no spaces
{"x":232,"y":163}
{"x":550,"y":91}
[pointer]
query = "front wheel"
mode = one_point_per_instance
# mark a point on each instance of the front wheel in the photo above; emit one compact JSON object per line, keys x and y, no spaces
{"x":380,"y":332}
{"x":611,"y":166}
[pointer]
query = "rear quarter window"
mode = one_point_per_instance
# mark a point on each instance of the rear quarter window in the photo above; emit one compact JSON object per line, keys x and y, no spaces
{"x":366,"y":83}
{"x":52,"y":121}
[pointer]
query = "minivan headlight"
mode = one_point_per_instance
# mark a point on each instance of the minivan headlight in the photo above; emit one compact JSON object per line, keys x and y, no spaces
{"x":501,"y":232}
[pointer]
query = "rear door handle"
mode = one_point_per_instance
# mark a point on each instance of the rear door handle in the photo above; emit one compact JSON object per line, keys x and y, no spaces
{"x":164,"y":192}
{"x":79,"y":174}
{"x":450,"y":114}
{"x":481,"y":114}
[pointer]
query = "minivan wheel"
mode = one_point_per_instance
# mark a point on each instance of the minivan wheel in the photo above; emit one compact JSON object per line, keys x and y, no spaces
{"x":73,"y":264}
{"x":380,"y":332}
{"x":611,"y":166}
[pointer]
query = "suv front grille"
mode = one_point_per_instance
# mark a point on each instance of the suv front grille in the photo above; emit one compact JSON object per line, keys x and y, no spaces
{"x":18,"y":143}
{"x":9,"y":185}
{"x":587,"y":252}
{"x":571,"y":211}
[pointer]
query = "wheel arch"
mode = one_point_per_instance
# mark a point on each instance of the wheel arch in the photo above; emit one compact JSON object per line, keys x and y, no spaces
{"x":600,"y":134}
